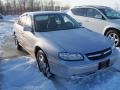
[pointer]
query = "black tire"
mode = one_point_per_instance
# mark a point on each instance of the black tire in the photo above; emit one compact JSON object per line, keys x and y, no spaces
{"x":43,"y":63}
{"x":116,"y":36}
{"x":17,"y":44}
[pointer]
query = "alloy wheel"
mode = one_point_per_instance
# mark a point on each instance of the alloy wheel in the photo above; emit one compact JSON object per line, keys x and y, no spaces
{"x":43,"y":64}
{"x":114,"y":37}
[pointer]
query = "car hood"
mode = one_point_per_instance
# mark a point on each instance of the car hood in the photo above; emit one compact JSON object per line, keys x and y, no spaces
{"x":78,"y":40}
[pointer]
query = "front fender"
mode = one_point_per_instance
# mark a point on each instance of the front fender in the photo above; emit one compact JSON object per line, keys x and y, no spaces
{"x":49,"y":48}
{"x":117,"y":27}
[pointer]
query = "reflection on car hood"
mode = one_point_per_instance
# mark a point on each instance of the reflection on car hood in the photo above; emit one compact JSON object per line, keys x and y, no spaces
{"x":78,"y":40}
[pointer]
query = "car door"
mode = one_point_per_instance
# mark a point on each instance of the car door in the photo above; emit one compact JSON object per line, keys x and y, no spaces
{"x":94,"y":20}
{"x":19,"y":30}
{"x":29,"y":36}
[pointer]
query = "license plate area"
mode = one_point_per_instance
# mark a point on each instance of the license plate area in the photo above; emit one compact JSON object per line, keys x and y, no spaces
{"x":104,"y":64}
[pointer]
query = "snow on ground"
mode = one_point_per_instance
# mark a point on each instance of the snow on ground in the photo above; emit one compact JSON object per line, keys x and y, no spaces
{"x":5,"y":31}
{"x":22,"y":74}
{"x":11,"y":18}
{"x":7,"y":46}
{"x":112,"y":84}
{"x":117,"y":63}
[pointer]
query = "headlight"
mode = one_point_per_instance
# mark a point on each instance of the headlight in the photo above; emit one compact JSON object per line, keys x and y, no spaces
{"x":71,"y":56}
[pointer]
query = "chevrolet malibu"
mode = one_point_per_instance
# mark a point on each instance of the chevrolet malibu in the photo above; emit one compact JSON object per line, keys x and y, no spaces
{"x":61,"y":46}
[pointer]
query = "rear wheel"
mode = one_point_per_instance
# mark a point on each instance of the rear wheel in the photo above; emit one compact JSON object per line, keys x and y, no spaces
{"x":43,"y":63}
{"x":18,"y":46}
{"x":114,"y":36}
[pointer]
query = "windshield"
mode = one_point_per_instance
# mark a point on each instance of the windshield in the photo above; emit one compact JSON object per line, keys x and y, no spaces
{"x":54,"y":22}
{"x":110,"y":13}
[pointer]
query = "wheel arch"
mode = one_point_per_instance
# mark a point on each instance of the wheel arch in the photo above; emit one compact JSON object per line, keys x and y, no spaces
{"x":111,"y":28}
{"x":36,"y":50}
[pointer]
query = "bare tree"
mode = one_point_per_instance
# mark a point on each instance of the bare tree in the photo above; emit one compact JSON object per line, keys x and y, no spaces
{"x":14,"y":6}
{"x":52,"y":4}
{"x":31,"y":5}
{"x":21,"y":6}
{"x":8,"y":7}
{"x":1,"y":7}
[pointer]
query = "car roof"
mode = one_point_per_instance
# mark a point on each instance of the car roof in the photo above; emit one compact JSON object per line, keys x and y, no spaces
{"x":43,"y":12}
{"x":91,"y":6}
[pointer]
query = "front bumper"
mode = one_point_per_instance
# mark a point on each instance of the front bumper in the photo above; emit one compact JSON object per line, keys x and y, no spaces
{"x":78,"y":69}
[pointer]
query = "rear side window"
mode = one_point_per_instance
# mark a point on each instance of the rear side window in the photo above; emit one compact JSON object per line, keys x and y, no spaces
{"x":41,"y":22}
{"x":92,"y":13}
{"x":79,"y":11}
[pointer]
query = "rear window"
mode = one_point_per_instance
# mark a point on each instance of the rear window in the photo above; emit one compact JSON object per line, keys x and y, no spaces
{"x":79,"y":11}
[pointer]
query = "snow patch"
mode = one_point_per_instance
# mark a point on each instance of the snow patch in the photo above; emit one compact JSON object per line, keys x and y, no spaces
{"x":6,"y":29}
{"x":11,"y":18}
{"x":112,"y":84}
{"x":117,"y":63}
{"x":5,"y":32}
{"x":22,"y":74}
{"x":102,"y":80}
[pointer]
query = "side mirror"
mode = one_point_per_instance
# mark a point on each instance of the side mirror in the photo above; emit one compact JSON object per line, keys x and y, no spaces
{"x":27,"y":28}
{"x":98,"y":16}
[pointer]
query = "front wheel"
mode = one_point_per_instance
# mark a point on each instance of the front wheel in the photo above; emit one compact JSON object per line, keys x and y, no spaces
{"x":43,"y":63}
{"x":114,"y":36}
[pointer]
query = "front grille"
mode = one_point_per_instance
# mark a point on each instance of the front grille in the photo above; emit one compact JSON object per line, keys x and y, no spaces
{"x":100,"y":54}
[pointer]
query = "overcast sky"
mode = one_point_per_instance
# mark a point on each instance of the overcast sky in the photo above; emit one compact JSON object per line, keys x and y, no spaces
{"x":111,"y":3}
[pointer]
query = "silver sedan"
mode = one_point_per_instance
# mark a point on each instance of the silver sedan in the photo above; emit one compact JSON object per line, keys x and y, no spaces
{"x":61,"y":46}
